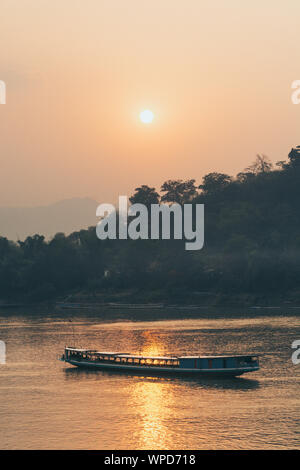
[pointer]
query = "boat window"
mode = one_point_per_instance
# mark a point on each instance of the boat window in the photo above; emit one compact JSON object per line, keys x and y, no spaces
{"x":143,"y":361}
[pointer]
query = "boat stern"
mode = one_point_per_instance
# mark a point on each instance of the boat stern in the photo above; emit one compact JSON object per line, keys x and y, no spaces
{"x":220,"y":365}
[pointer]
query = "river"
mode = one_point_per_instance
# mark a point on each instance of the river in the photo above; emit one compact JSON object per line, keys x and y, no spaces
{"x":46,"y":404}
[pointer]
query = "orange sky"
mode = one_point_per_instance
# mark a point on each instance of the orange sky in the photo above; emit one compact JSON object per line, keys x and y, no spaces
{"x":216,"y":74}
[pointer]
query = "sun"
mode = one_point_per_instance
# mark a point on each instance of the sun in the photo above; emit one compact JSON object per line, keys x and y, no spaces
{"x":146,"y":116}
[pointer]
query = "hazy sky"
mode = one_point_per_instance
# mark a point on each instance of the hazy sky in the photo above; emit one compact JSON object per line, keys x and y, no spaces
{"x":216,"y":74}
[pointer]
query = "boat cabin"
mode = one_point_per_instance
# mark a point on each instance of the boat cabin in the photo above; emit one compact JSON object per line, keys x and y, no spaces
{"x":217,"y":362}
{"x":183,"y":362}
{"x":118,"y":358}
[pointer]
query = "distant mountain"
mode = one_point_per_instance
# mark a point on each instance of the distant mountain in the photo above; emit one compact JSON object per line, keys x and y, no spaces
{"x":69,"y":215}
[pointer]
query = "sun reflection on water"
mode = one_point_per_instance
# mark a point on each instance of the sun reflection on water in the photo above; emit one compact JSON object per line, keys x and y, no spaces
{"x":153,"y":398}
{"x":151,"y":345}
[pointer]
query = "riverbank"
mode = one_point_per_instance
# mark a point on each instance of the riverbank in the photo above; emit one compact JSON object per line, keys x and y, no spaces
{"x":156,"y":301}
{"x":112,"y":311}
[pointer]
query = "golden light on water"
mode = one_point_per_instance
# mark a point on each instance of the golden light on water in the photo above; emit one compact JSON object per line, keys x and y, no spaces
{"x":151,"y":346}
{"x":154,"y":396}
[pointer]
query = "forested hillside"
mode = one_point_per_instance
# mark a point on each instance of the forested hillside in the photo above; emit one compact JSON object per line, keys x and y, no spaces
{"x":251,"y":251}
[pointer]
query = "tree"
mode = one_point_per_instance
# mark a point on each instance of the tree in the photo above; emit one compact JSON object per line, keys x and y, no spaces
{"x":145,"y":195}
{"x":179,"y":191}
{"x":262,"y":164}
{"x":294,"y":157}
{"x":33,"y":246}
{"x":244,"y":176}
{"x":215,"y":182}
{"x":4,"y":246}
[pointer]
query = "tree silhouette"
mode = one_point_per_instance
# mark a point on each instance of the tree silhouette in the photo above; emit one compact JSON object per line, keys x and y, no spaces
{"x":215,"y":182}
{"x":178,"y":191}
{"x":252,"y":232}
{"x":294,"y":157}
{"x":262,"y":164}
{"x":145,"y":195}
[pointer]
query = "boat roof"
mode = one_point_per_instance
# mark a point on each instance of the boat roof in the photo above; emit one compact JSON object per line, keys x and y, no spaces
{"x":80,"y":350}
{"x":108,"y":353}
{"x":92,"y":351}
{"x":138,"y":356}
{"x":218,"y":357}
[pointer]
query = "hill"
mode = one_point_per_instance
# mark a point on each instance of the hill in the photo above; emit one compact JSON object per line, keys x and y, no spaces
{"x":251,"y":253}
{"x":17,"y":223}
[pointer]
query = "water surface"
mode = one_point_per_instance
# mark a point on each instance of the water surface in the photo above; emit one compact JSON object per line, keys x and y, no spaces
{"x":46,"y":404}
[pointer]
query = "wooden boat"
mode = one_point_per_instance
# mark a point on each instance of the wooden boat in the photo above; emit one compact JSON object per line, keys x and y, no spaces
{"x":193,"y":365}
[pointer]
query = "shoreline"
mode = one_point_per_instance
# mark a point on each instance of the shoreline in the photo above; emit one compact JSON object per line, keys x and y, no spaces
{"x":154,"y":300}
{"x":127,"y":312}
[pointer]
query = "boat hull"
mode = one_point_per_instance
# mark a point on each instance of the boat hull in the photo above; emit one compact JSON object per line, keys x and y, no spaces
{"x":152,"y":370}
